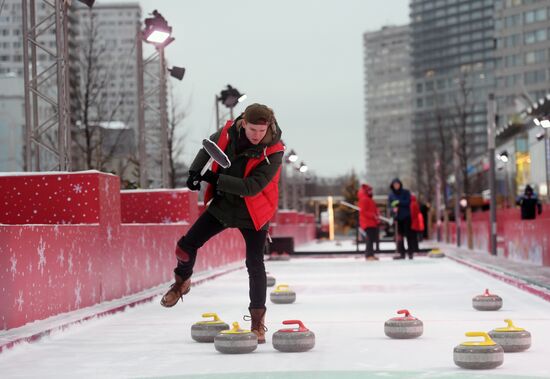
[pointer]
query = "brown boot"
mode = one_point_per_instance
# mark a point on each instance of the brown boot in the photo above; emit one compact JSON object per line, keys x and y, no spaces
{"x":179,"y":288}
{"x":257,"y":317}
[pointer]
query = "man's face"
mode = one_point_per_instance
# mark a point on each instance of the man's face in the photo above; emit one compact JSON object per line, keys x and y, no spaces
{"x":396,"y":186}
{"x":255,"y":132}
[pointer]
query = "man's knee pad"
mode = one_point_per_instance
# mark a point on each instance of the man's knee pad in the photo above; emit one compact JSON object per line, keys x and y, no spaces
{"x":182,"y":255}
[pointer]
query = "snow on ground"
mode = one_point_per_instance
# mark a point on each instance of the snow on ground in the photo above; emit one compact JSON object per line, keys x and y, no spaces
{"x":345,"y":301}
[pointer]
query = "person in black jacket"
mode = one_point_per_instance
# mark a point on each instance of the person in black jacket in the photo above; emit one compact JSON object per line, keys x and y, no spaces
{"x":530,"y":204}
{"x":399,"y":203}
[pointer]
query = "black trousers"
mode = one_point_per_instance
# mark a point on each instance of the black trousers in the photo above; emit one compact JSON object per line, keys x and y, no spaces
{"x":372,"y":238}
{"x":206,"y":227}
{"x":404,"y":231}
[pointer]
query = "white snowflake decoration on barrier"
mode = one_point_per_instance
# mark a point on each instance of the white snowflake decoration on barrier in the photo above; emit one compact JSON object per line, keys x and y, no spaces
{"x":19,"y":301}
{"x":70,"y":263}
{"x":77,"y":188}
{"x":89,"y":266}
{"x":142,"y":240}
{"x":128,"y":287}
{"x":147,"y":264}
{"x":77,"y":297}
{"x":13,"y":268}
{"x":109,"y":233}
{"x":41,"y":255}
{"x":61,"y":257}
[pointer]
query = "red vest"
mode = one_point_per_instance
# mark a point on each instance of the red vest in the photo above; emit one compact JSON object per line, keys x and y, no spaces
{"x":263,"y":205}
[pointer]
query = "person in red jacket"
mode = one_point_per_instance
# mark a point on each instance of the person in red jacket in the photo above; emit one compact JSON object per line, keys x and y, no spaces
{"x":417,"y":226}
{"x":368,"y":220}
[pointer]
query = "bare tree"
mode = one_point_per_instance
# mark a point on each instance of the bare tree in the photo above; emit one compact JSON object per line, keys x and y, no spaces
{"x":463,"y":111}
{"x":95,"y":141}
{"x":176,"y":140}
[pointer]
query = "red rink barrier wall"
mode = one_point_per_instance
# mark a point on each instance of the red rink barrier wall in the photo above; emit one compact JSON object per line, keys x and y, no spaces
{"x":158,"y":206}
{"x":71,"y":240}
{"x":518,"y":240}
{"x":300,"y":226}
{"x":59,"y":255}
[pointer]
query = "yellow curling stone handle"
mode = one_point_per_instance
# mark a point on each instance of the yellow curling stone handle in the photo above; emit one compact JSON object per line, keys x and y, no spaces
{"x":216,"y":319}
{"x":235,"y":329}
{"x":510,"y":328}
{"x":486,"y":342}
{"x":436,"y":251}
{"x":282,"y":288}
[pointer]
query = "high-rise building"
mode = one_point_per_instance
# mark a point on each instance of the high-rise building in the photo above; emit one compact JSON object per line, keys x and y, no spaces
{"x":453,"y":70}
{"x":12,"y":122}
{"x":388,"y":117}
{"x":522,"y":55}
{"x":523,"y":78}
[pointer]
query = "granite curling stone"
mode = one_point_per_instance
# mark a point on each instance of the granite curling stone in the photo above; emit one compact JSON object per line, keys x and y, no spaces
{"x":487,"y":302}
{"x":270,"y":280}
{"x":478,"y":355}
{"x":236,"y":341}
{"x":282,"y":295}
{"x":294,"y":340}
{"x":405,"y":327}
{"x":436,"y":253}
{"x":205,"y":331}
{"x":511,"y":338}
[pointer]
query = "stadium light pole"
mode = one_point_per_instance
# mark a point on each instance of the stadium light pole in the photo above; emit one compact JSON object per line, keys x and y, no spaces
{"x":491,"y":134}
{"x":229,"y":97}
{"x":158,"y":33}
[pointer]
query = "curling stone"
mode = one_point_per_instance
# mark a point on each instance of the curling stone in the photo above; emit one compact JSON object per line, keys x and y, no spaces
{"x":205,"y":331}
{"x":403,"y":327}
{"x":511,"y":338}
{"x":295,"y":340}
{"x":487,"y":302}
{"x":436,"y":253}
{"x":282,"y":295}
{"x":478,"y":355}
{"x":270,"y":280}
{"x":236,"y":341}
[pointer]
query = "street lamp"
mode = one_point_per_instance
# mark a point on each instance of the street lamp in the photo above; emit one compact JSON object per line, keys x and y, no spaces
{"x":303,"y":168}
{"x":88,"y":3}
{"x":292,"y":156}
{"x":229,"y":97}
{"x":177,"y":72}
{"x":158,"y":33}
{"x":504,"y":156}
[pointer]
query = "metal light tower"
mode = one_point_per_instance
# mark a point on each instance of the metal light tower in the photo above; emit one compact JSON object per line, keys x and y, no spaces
{"x":157,"y":32}
{"x":38,"y":87}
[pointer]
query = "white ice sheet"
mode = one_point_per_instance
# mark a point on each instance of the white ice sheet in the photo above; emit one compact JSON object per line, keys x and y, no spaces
{"x":345,"y":301}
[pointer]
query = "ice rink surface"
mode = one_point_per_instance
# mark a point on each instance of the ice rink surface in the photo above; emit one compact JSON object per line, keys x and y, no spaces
{"x":345,"y":301}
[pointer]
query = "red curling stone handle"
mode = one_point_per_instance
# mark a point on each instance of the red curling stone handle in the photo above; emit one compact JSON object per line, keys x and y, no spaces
{"x":405,"y":312}
{"x":301,"y":327}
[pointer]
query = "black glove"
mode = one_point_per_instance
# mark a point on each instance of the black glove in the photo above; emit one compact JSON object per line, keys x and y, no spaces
{"x":194,"y":181}
{"x":211,"y":177}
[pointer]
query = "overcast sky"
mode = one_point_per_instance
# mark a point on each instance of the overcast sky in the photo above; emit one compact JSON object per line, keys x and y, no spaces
{"x":304,"y":58}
